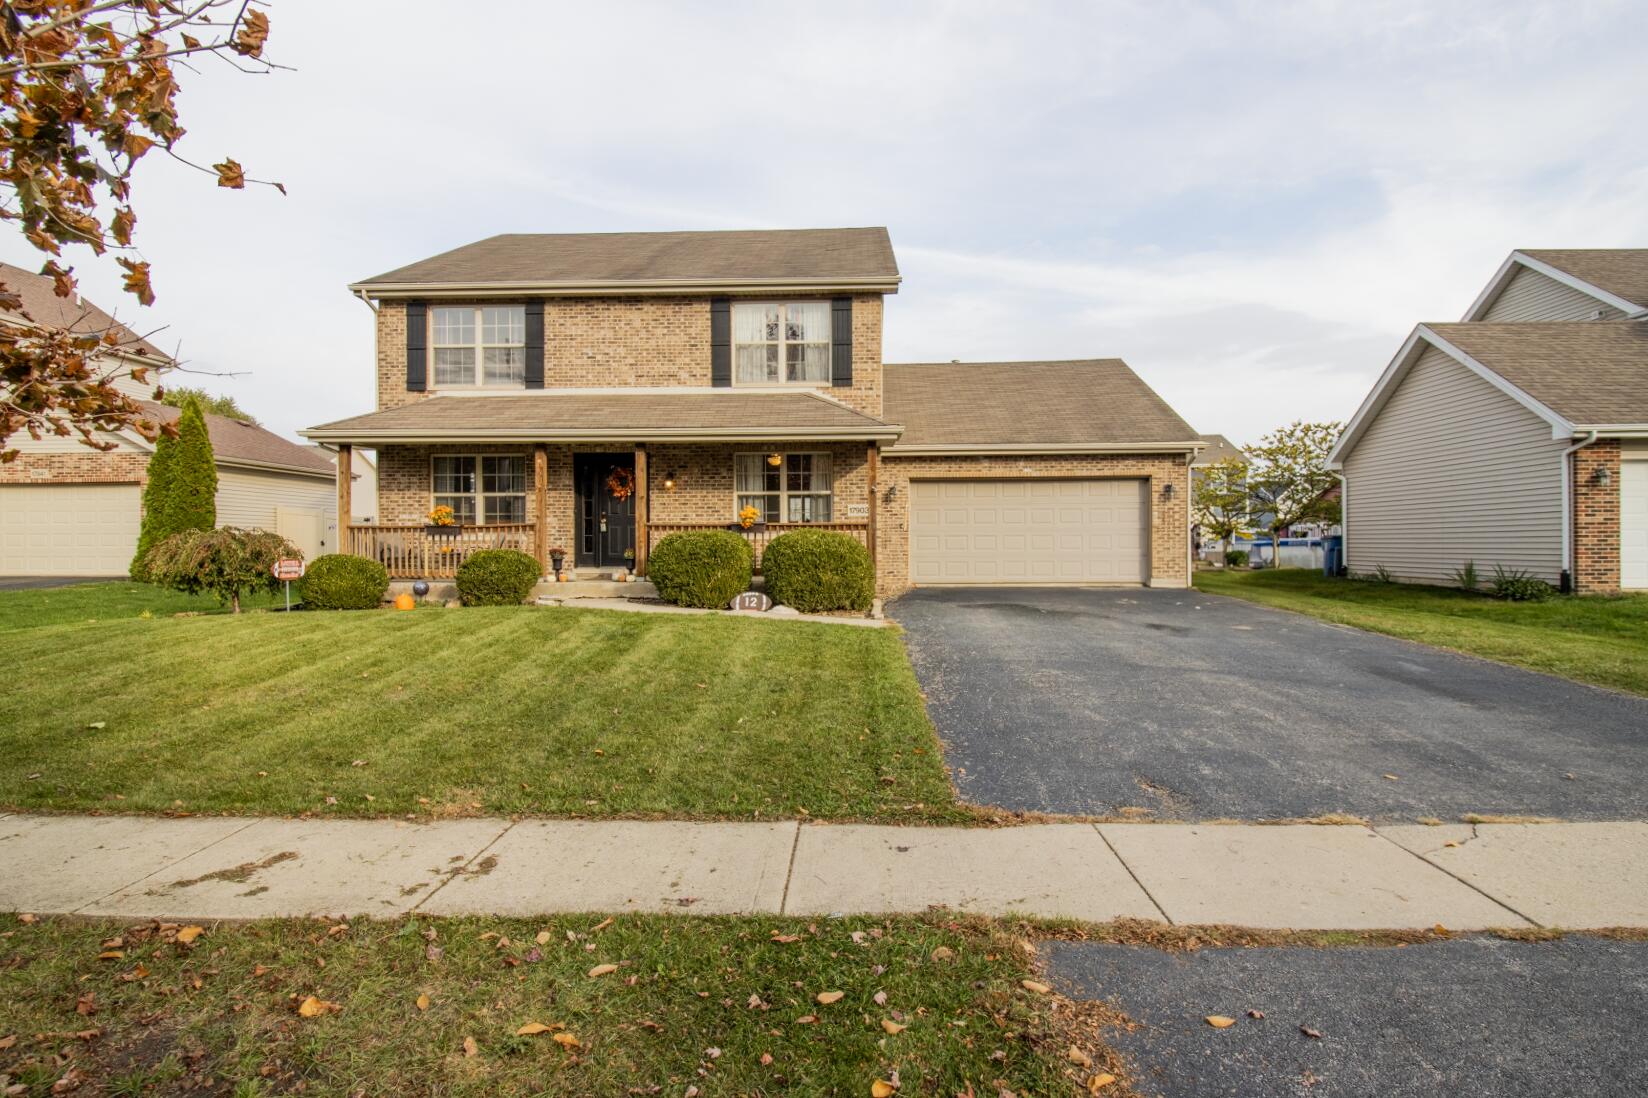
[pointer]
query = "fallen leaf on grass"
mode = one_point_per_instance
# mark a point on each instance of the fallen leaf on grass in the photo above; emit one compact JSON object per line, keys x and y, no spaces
{"x":943,"y":953}
{"x":880,"y":998}
{"x":785,"y":938}
{"x":766,"y":1059}
{"x":825,"y":998}
{"x":7,"y":1041}
{"x":603,"y":970}
{"x":470,"y":1047}
{"x":1036,"y":986}
{"x":1219,"y":1021}
{"x":189,"y":933}
{"x":311,"y":1007}
{"x":98,"y":724}
{"x":86,"y":1005}
{"x":543,"y":937}
{"x":1099,"y":1082}
{"x":602,"y":925}
{"x":532,"y":1029}
{"x":892,"y":1027}
{"x":111,"y":955}
{"x":806,"y":1019}
{"x":423,"y":1002}
{"x":1079,"y":1058}
{"x":565,"y":1039}
{"x":881,"y":1088}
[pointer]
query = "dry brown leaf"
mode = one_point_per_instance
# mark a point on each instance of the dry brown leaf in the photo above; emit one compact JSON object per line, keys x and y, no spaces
{"x":532,"y":1029}
{"x":111,"y":955}
{"x":312,"y":1007}
{"x":892,"y":1027}
{"x":7,"y":1041}
{"x":543,"y":937}
{"x":943,"y":953}
{"x":26,"y":918}
{"x":881,"y":1088}
{"x":423,"y":1002}
{"x":1079,"y":1058}
{"x":1035,"y":985}
{"x":1099,"y":1082}
{"x":603,"y":970}
{"x":470,"y":1047}
{"x":1312,"y":1033}
{"x":766,"y":1059}
{"x":1219,"y":1021}
{"x":825,"y":998}
{"x":602,"y":925}
{"x":566,"y":1039}
{"x":806,"y":1019}
{"x":1255,"y":1014}
{"x":189,"y":933}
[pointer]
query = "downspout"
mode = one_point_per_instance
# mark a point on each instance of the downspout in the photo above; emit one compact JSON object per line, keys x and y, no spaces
{"x":1344,"y":521}
{"x":1568,"y":509}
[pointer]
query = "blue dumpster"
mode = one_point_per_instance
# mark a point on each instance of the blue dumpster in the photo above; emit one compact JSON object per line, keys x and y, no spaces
{"x":1333,"y":554}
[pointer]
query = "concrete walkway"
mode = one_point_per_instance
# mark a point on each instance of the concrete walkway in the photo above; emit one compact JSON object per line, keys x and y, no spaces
{"x":1465,"y":877}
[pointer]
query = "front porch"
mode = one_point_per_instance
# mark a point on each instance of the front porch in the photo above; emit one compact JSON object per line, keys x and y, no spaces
{"x":605,"y":508}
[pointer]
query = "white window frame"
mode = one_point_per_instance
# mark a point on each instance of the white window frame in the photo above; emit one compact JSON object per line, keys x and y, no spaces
{"x":784,"y":492}
{"x":478,"y":346}
{"x":783,"y":344}
{"x":479,"y":495}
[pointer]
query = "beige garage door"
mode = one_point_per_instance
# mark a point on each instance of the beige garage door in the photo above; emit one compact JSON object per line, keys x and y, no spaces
{"x":67,"y":529}
{"x":1029,"y":531}
{"x":1633,"y":525}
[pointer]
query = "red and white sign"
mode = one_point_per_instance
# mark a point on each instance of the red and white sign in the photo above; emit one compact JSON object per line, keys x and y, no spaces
{"x":288,"y":569}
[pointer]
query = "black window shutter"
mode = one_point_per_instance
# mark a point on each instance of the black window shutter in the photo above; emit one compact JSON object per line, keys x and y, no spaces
{"x":720,"y":341}
{"x":417,"y":346}
{"x":841,"y":341}
{"x":535,"y":344}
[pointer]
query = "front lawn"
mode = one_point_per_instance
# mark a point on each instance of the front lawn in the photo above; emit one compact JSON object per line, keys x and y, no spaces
{"x":428,"y":1006}
{"x":92,"y":602}
{"x":458,"y":712}
{"x":1598,"y":640}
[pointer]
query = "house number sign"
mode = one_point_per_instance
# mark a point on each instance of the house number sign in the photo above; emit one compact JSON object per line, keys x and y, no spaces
{"x":751,"y":600}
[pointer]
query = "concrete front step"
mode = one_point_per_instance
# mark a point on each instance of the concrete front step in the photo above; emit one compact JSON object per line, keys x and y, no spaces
{"x":594,"y":589}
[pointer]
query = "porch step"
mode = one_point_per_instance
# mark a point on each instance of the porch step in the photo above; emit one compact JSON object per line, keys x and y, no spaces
{"x":593,"y":589}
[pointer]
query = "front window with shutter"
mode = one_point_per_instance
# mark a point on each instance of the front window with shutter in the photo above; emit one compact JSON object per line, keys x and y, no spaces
{"x":796,"y":489}
{"x":484,"y":488}
{"x":781,"y":343}
{"x":478,"y":346}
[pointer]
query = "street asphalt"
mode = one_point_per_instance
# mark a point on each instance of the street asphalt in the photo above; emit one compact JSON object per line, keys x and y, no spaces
{"x":1195,"y":707}
{"x":32,"y":583}
{"x":1450,"y":1019}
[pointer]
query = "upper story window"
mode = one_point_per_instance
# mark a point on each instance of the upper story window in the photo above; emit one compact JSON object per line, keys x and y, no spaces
{"x":781,"y":343}
{"x":477,"y":345}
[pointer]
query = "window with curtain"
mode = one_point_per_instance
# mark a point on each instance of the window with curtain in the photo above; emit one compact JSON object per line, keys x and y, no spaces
{"x":478,"y":345}
{"x":486,"y":488}
{"x":797,"y":489}
{"x":781,"y":343}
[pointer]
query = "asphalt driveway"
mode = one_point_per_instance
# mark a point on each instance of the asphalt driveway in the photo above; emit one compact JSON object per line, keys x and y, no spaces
{"x":1467,"y":1017}
{"x":1195,"y":707}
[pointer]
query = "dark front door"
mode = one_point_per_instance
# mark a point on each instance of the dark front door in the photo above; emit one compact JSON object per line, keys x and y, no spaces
{"x":606,"y":523}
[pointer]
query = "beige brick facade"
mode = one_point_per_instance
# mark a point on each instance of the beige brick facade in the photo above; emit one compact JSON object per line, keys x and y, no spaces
{"x":87,"y":466}
{"x":633,"y":341}
{"x":1169,"y":515}
{"x":1596,"y":519}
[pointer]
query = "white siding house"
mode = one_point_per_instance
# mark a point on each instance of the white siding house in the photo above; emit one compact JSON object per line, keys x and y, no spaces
{"x":1531,"y":295}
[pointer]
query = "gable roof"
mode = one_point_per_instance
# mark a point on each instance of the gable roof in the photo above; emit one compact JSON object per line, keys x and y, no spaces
{"x":1617,"y":277}
{"x":642,"y":415}
{"x":1578,"y":377}
{"x":1067,"y":406}
{"x":72,"y":314}
{"x":239,"y":442}
{"x":656,"y":262}
{"x":1217,"y":449}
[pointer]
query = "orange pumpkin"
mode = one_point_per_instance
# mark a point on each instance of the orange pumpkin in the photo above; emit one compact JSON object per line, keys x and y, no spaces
{"x":404,"y":601}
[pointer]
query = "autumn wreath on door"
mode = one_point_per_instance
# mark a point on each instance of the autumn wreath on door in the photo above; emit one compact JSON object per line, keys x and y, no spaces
{"x":621,"y":482}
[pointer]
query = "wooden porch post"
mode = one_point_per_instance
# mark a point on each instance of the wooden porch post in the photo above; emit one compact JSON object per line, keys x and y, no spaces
{"x":874,"y":463}
{"x":641,"y":536}
{"x":346,"y":485}
{"x":540,"y":503}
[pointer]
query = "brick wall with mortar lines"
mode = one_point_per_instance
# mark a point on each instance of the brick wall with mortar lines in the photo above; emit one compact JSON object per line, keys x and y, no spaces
{"x":91,"y":467}
{"x":1596,"y":519}
{"x":405,"y":489}
{"x":1169,"y":518}
{"x":633,"y":341}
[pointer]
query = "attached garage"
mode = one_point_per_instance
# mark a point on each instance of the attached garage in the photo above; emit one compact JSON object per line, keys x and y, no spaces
{"x":67,"y":529}
{"x":1633,"y":525}
{"x":1029,"y":531}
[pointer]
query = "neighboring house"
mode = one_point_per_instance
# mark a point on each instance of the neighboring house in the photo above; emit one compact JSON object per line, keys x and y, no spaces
{"x":363,"y":492}
{"x":1517,"y":437}
{"x":1217,"y":448}
{"x":597,"y":392}
{"x":67,"y":509}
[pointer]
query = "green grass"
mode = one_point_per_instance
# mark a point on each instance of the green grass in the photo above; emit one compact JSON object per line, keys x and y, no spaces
{"x":695,"y":1002}
{"x":458,"y":712}
{"x":98,"y":602}
{"x":1598,"y":640}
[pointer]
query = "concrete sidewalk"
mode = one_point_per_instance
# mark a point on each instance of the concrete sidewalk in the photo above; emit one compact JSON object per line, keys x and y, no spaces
{"x":1465,"y":877}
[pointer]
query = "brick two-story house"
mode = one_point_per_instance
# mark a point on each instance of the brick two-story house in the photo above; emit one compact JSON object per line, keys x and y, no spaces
{"x":598,"y":392}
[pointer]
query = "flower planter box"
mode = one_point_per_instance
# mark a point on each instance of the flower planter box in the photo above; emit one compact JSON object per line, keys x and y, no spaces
{"x":443,"y":531}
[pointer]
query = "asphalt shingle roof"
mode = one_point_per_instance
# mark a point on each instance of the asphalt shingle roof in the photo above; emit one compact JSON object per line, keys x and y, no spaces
{"x":1623,"y":272}
{"x":1588,"y":372}
{"x":73,"y":314}
{"x":238,"y":440}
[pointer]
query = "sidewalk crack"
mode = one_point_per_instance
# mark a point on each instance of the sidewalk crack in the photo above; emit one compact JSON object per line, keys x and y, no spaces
{"x":1118,"y":856}
{"x":225,"y":837}
{"x":448,"y":878}
{"x":1445,"y":870}
{"x":789,"y":874}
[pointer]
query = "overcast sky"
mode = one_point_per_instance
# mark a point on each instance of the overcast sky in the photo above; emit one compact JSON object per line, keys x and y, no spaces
{"x":1251,"y":203}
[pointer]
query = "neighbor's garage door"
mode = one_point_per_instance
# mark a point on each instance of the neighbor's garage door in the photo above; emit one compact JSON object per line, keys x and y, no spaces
{"x":1633,"y":525}
{"x":1029,"y":531}
{"x":67,"y":529}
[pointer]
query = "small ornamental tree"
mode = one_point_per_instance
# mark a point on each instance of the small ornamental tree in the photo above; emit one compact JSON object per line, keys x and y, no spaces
{"x":156,"y":494}
{"x":191,"y":500}
{"x":226,"y":562}
{"x":1289,"y":476}
{"x":211,"y":403}
{"x":1220,"y":500}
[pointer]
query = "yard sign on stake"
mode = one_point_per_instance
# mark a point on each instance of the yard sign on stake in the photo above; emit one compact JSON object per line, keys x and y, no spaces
{"x":288,"y":570}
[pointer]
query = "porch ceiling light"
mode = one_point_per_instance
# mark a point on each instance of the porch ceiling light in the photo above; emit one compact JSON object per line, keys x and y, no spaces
{"x":669,"y":482}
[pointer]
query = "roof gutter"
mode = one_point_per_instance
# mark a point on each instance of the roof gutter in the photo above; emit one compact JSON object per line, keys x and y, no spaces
{"x":881,"y":284}
{"x":1567,"y":504}
{"x":599,"y":434}
{"x":1010,"y":448}
{"x":275,"y":467}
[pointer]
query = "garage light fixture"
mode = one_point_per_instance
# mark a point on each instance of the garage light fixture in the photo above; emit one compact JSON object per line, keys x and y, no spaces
{"x":1602,"y":477}
{"x":1167,"y":490}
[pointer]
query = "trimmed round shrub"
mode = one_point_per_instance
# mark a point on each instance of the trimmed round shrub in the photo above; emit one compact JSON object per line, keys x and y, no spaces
{"x":497,"y":577}
{"x":701,"y":567}
{"x":1236,"y":558}
{"x":814,"y":570}
{"x":338,"y":581}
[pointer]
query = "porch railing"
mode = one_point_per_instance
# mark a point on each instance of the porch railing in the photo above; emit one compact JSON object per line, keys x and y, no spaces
{"x":415,"y":552}
{"x":757,"y":536}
